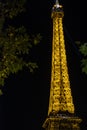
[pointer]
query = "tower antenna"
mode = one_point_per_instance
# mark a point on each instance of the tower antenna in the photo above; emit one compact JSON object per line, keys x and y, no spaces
{"x":57,"y":2}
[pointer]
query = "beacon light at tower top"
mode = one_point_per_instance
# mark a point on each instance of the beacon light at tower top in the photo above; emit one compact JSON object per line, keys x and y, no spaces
{"x":58,"y":8}
{"x":57,"y":5}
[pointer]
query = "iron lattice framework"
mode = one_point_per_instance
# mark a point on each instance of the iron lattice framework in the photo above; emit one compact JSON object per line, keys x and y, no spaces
{"x":60,"y":92}
{"x":61,"y":107}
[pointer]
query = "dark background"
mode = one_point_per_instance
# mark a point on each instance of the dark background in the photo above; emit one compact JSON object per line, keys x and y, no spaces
{"x":24,"y":104}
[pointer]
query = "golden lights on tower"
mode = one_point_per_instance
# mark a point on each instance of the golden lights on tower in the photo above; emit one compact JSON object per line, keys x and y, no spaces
{"x":61,"y":108}
{"x":60,"y":92}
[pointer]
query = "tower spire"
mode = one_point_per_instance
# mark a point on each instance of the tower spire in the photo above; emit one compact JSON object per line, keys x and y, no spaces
{"x":57,"y":5}
{"x":57,"y":2}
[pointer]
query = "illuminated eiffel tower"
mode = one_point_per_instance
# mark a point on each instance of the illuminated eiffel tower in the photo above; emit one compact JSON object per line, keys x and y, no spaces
{"x":61,"y":108}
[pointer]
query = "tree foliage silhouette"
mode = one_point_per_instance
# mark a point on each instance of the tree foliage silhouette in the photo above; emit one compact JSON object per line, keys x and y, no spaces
{"x":15,"y":42}
{"x":83,"y":50}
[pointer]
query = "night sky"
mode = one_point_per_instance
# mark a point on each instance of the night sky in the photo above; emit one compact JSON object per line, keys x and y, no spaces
{"x":24,"y":104}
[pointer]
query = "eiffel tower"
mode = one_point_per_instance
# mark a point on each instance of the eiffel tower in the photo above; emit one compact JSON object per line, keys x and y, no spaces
{"x":61,"y":111}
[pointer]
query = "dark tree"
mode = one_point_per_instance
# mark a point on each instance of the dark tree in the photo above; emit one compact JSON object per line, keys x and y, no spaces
{"x":15,"y":42}
{"x":83,"y":50}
